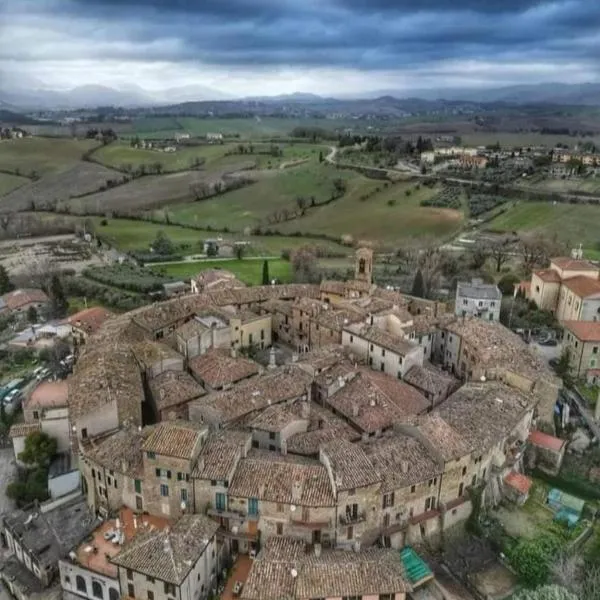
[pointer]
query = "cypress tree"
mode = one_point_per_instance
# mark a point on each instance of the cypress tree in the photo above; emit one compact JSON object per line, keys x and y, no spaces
{"x":265,"y":273}
{"x":418,"y":287}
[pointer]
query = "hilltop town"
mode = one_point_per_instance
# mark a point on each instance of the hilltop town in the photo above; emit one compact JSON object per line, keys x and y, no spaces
{"x":299,"y":441}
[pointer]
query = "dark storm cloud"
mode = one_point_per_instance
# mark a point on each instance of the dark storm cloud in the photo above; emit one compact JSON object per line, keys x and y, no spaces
{"x":363,"y":34}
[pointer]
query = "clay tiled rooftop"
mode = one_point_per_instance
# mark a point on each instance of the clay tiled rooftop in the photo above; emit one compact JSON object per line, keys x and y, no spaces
{"x":90,"y":319}
{"x":21,"y":297}
{"x":119,"y":451}
{"x":172,"y":388}
{"x":217,"y":279}
{"x":543,"y":440}
{"x":49,"y":394}
{"x":384,"y":339}
{"x":217,"y":368}
{"x":104,"y":374}
{"x":402,"y":460}
{"x":572,"y":264}
{"x":283,"y":479}
{"x":323,"y":427}
{"x":283,"y":569}
{"x":221,"y":454}
{"x":586,"y":331}
{"x":518,"y":481}
{"x":330,"y":286}
{"x":191,"y":329}
{"x":496,"y":347}
{"x":583,"y":286}
{"x":485,"y":413}
{"x":286,"y":383}
{"x":277,"y":417}
{"x":179,"y":439}
{"x":430,"y":379}
{"x":350,"y":465}
{"x":169,"y":555}
{"x":321,"y":359}
{"x":149,"y":353}
{"x":23,"y":429}
{"x":446,"y":441}
{"x":548,"y":275}
{"x":374,"y":401}
{"x":95,"y":554}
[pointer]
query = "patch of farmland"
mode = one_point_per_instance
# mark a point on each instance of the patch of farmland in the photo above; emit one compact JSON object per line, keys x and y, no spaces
{"x":145,"y":193}
{"x":8,"y":183}
{"x":60,"y":188}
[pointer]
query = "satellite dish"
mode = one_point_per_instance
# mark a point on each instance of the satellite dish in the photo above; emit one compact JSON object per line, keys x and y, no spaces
{"x":234,"y":529}
{"x":294,"y":573}
{"x":482,"y":378}
{"x":293,"y":507}
{"x":183,"y":505}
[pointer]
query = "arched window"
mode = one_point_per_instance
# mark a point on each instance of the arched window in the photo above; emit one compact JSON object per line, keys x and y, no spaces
{"x":97,"y":590}
{"x":80,"y":583}
{"x":362,"y":263}
{"x":113,"y":594}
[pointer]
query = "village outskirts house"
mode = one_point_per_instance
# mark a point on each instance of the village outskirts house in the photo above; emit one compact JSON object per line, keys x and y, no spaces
{"x":478,"y":299}
{"x":582,"y":340}
{"x":21,"y":300}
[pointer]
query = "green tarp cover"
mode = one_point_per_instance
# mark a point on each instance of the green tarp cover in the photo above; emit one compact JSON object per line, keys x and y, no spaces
{"x":415,"y":567}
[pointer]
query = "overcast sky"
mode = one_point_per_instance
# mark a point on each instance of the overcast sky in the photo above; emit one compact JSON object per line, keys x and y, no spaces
{"x":251,"y":47}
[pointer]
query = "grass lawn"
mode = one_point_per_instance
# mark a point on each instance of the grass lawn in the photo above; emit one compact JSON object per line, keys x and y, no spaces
{"x":8,"y":183}
{"x":248,"y":270}
{"x":250,"y":206}
{"x":388,"y":216}
{"x":573,"y":223}
{"x":590,"y":185}
{"x":42,"y":155}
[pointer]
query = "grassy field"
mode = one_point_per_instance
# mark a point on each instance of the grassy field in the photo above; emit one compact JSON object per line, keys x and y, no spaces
{"x":42,"y":155}
{"x":129,"y":235}
{"x":388,"y":216}
{"x":248,"y":270}
{"x":8,"y":183}
{"x":576,"y":224}
{"x":250,"y":206}
{"x":122,"y":156}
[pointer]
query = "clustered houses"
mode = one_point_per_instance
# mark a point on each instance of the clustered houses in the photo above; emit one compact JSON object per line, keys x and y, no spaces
{"x":560,"y":155}
{"x":363,"y":442}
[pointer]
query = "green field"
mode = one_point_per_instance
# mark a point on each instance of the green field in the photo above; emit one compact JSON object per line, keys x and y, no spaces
{"x":248,"y":270}
{"x":128,"y":235}
{"x":121,"y":155}
{"x":590,"y":185}
{"x":251,"y":206}
{"x":388,"y":216}
{"x":42,"y":155}
{"x":8,"y":183}
{"x":573,"y":223}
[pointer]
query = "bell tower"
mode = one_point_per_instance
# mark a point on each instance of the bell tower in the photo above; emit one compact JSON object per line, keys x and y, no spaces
{"x":363,"y":268}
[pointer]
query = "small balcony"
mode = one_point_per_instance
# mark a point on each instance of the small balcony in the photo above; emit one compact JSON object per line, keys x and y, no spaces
{"x":225,"y":513}
{"x":352,"y":518}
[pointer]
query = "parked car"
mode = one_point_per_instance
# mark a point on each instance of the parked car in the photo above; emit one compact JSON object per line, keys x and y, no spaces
{"x":548,"y":342}
{"x":13,"y":401}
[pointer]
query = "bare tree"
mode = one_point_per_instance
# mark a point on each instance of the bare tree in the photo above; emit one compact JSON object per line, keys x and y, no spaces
{"x":500,"y":252}
{"x":537,"y":250}
{"x":5,"y":221}
{"x":304,"y":265}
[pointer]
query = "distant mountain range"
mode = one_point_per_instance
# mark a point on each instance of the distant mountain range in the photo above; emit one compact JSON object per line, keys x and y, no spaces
{"x":20,"y":93}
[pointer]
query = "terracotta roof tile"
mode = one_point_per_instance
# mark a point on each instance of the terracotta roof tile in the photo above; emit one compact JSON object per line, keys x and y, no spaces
{"x":350,"y":465}
{"x":444,"y":438}
{"x":179,"y":439}
{"x":217,"y":368}
{"x":284,"y":479}
{"x":90,"y":319}
{"x":583,"y":286}
{"x":548,"y":275}
{"x":221,"y":454}
{"x":586,"y":331}
{"x":518,"y":481}
{"x":49,"y":394}
{"x":543,"y":440}
{"x":169,"y":555}
{"x":23,"y":429}
{"x":21,"y":297}
{"x":572,"y":264}
{"x":172,"y":388}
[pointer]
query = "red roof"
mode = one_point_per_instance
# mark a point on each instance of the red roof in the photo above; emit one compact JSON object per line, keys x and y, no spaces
{"x":586,"y":331}
{"x":23,"y":297}
{"x":519,"y":482}
{"x":583,"y":286}
{"x":544,"y":440}
{"x":549,"y":275}
{"x":572,"y":264}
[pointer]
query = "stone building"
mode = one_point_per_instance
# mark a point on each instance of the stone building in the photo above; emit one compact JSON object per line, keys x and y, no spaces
{"x":582,"y":340}
{"x":220,"y":369}
{"x":170,"y":394}
{"x":478,"y":299}
{"x":179,"y":562}
{"x":169,"y":455}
